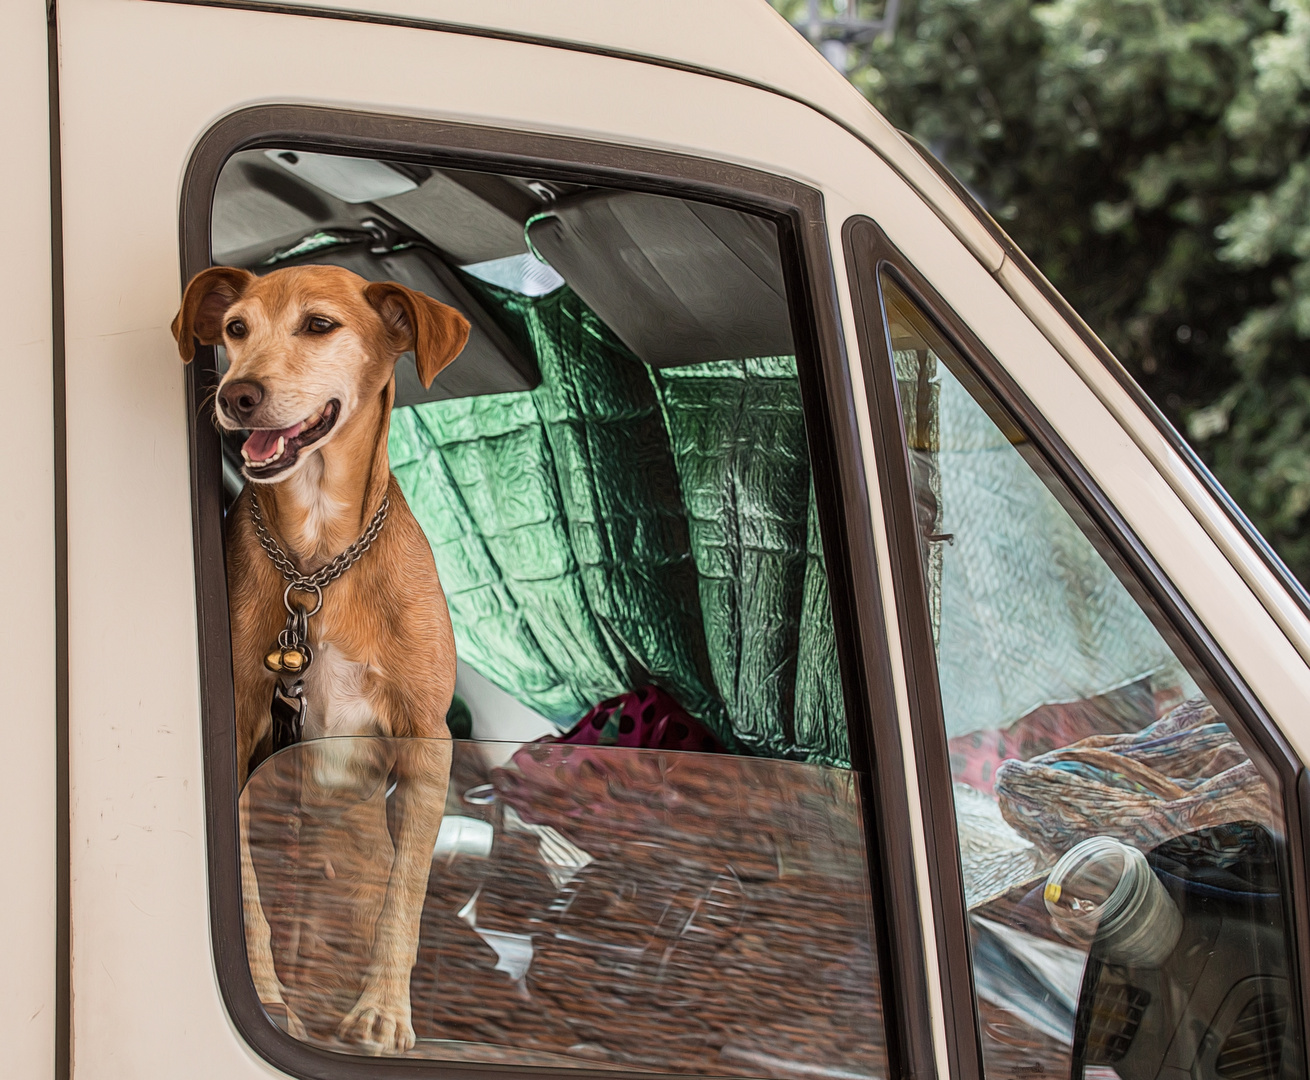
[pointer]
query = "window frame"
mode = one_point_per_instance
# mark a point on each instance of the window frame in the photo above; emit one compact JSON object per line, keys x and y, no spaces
{"x":837,"y":465}
{"x":869,"y":255}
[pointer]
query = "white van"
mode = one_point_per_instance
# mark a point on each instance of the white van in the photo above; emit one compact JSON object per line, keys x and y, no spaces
{"x":858,"y":677}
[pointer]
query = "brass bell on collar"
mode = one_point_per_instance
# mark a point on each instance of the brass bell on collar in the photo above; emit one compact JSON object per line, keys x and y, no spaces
{"x":292,"y":661}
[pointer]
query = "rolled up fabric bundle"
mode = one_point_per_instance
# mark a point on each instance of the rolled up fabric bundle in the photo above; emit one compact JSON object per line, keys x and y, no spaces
{"x":1183,"y":773}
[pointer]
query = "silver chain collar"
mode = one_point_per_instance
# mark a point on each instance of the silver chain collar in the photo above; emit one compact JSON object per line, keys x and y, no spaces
{"x":324,"y":575}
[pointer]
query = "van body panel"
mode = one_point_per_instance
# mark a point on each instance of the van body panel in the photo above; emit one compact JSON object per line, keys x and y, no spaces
{"x":140,"y":85}
{"x":29,"y":796}
{"x":140,"y":902}
{"x":748,"y":40}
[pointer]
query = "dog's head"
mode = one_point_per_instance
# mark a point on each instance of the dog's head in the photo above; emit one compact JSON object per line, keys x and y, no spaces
{"x":307,"y":346}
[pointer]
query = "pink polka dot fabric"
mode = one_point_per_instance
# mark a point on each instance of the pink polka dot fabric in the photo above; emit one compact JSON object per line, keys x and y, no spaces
{"x":647,"y":718}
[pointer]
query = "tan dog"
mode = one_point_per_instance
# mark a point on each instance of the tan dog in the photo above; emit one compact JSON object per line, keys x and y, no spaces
{"x":312,"y":352}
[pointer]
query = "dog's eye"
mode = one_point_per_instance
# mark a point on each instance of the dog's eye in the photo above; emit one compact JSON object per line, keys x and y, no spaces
{"x":317,"y":324}
{"x":236,"y":329}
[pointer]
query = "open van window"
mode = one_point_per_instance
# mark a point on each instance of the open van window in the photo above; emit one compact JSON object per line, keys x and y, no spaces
{"x":615,"y":480}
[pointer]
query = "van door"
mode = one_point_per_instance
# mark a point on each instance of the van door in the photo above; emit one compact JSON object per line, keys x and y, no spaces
{"x":1075,"y":722}
{"x":750,"y":516}
{"x":719,"y":553}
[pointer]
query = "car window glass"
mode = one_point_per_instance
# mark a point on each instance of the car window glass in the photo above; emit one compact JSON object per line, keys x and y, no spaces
{"x":1120,"y":849}
{"x":653,"y":851}
{"x":588,"y":905}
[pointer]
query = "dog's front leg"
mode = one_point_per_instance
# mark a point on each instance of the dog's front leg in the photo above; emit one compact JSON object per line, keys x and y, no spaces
{"x":381,"y":1018}
{"x":252,"y":726}
{"x":259,"y":938}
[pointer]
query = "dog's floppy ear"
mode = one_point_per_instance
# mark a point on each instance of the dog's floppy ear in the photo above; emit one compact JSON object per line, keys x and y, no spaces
{"x":207,"y":298}
{"x":435,"y":331}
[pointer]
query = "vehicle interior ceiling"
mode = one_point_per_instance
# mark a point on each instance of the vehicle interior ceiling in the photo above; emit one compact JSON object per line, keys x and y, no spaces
{"x":628,"y":391}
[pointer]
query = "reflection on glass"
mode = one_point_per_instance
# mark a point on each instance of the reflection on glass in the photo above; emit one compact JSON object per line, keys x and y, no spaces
{"x":589,"y":905}
{"x":1119,"y":847}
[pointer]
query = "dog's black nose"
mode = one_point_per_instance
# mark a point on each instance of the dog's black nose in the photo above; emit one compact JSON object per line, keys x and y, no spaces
{"x":240,"y":400}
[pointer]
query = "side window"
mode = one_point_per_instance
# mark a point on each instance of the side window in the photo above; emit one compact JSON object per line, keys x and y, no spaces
{"x":609,"y":817}
{"x":1119,"y":848}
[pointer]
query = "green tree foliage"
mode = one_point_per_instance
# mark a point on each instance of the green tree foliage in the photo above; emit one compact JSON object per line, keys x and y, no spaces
{"x":1153,"y":158}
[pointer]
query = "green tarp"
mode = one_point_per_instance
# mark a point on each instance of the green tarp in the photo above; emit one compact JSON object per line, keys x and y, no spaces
{"x":621,"y":525}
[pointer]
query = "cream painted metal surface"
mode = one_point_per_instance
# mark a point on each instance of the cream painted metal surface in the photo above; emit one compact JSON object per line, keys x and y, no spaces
{"x":741,"y":39}
{"x":141,"y":82}
{"x":27,"y":555}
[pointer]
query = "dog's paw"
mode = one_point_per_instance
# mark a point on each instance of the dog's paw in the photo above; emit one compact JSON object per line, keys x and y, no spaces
{"x":380,"y":1021}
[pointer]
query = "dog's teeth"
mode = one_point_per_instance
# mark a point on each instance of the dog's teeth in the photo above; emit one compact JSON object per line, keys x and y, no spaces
{"x":246,"y":455}
{"x":281,"y":445}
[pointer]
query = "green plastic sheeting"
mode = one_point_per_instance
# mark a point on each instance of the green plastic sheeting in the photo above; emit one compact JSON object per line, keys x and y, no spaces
{"x":621,"y":525}
{"x":821,"y":730}
{"x":738,"y":437}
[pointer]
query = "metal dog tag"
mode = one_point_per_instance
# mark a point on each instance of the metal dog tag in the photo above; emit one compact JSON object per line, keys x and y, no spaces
{"x":289,"y":659}
{"x":288,"y":712}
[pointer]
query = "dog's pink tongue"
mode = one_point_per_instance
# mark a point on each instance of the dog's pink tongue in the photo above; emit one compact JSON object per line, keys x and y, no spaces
{"x":262,"y":443}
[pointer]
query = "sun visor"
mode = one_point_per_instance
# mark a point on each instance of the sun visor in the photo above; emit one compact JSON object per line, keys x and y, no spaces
{"x":267,"y":199}
{"x":465,"y":226}
{"x":489,"y":364}
{"x":679,"y":282}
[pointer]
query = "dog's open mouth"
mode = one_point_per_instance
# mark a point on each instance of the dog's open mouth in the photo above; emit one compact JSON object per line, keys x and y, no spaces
{"x":270,"y":451}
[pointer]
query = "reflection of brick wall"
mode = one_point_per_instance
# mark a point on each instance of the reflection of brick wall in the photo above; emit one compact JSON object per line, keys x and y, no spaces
{"x":722,"y":925}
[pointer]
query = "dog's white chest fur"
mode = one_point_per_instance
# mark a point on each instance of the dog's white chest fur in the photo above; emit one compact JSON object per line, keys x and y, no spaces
{"x":335,"y":688}
{"x":338,"y":705}
{"x":312,"y":497}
